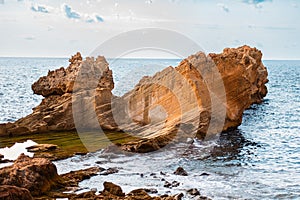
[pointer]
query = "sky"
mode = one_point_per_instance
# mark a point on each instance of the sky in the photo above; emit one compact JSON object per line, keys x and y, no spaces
{"x":60,"y":28}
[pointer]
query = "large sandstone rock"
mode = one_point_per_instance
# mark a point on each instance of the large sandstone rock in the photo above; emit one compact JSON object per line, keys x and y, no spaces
{"x":83,"y":84}
{"x":38,"y":175}
{"x":202,"y":96}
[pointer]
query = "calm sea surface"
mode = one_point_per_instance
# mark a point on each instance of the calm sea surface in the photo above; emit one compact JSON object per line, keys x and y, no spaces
{"x":259,"y":160}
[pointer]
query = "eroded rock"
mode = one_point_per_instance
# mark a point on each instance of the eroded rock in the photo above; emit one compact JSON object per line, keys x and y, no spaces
{"x":38,"y":175}
{"x":66,"y":89}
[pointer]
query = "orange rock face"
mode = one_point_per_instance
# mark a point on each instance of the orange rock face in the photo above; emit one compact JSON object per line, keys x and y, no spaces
{"x":55,"y":113}
{"x":202,"y":96}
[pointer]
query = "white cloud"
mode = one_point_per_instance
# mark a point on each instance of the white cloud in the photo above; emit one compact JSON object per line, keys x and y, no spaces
{"x":40,"y":8}
{"x":71,"y":14}
{"x":30,"y":37}
{"x":94,"y":18}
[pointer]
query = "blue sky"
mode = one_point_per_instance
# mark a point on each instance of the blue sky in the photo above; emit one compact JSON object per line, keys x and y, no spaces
{"x":59,"y":28}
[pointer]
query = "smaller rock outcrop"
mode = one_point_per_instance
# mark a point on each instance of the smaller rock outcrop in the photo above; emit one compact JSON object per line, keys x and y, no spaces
{"x":9,"y":192}
{"x":38,"y":175}
{"x":84,"y":86}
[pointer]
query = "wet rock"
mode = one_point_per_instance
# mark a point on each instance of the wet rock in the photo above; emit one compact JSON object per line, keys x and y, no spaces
{"x":181,"y":172}
{"x":113,"y":189}
{"x":204,"y":174}
{"x":138,"y":194}
{"x":151,"y":190}
{"x":90,"y":195}
{"x":42,"y":147}
{"x":202,"y":198}
{"x":80,"y":153}
{"x":167,"y":184}
{"x":178,"y":196}
{"x":171,"y":185}
{"x":9,"y":192}
{"x":110,"y":171}
{"x":74,"y":177}
{"x":1,"y":156}
{"x":193,"y":192}
{"x":162,"y":173}
{"x":38,"y":175}
{"x":175,"y":184}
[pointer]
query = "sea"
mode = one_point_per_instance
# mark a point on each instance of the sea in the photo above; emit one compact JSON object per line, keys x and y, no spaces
{"x":258,"y":160}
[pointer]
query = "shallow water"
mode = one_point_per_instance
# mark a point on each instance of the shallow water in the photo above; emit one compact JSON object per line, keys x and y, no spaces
{"x":260,"y":160}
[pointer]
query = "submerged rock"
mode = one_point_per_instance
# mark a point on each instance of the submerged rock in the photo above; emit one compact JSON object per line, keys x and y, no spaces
{"x":180,"y":171}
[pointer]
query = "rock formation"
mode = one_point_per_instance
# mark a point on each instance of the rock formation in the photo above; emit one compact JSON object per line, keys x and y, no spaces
{"x":60,"y":91}
{"x":38,"y":177}
{"x":202,"y":96}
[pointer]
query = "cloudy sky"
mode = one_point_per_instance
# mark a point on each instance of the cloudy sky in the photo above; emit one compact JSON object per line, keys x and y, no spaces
{"x":59,"y":28}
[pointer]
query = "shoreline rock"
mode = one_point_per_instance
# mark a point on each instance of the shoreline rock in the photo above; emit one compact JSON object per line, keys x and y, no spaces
{"x":38,"y":178}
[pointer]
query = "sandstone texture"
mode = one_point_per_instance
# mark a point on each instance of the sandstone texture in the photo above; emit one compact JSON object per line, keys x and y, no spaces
{"x":59,"y":90}
{"x":202,"y":96}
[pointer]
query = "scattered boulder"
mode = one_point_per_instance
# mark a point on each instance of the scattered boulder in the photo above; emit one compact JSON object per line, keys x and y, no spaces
{"x":193,"y":192}
{"x":113,"y":189}
{"x":110,"y":171}
{"x":180,"y":171}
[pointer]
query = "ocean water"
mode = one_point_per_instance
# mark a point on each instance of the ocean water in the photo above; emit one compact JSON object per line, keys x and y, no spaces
{"x":259,"y":160}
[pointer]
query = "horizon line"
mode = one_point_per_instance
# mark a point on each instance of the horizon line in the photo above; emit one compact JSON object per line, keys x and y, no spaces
{"x":152,"y":58}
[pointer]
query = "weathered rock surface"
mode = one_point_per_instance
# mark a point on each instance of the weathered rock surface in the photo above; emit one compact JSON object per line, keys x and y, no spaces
{"x":83,"y":83}
{"x":202,"y":96}
{"x":38,"y":175}
{"x":9,"y":192}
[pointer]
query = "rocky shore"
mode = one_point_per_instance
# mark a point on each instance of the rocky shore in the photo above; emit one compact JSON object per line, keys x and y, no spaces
{"x":37,"y":178}
{"x":203,"y":96}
